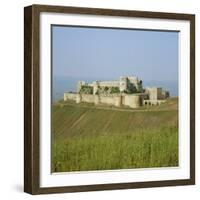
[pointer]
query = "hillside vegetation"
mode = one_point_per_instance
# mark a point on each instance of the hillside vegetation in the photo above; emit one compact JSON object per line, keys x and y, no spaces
{"x":86,"y":137}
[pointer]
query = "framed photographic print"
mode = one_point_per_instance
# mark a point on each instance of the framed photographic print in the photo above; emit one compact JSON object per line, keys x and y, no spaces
{"x":109,"y":99}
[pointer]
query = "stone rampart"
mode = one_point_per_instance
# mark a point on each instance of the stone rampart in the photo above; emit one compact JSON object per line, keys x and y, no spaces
{"x":131,"y":100}
{"x":89,"y":98}
{"x":107,"y":100}
{"x":70,"y":96}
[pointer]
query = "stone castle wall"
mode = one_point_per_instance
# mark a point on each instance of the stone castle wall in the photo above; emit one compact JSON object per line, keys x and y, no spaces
{"x":131,"y":100}
{"x":109,"y":83}
{"x":124,"y":83}
{"x":70,"y":96}
{"x":110,"y":100}
{"x":131,"y":93}
{"x":156,"y":93}
{"x":89,"y":98}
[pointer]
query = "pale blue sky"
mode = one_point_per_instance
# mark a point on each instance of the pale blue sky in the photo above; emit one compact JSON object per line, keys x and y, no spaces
{"x":99,"y":53}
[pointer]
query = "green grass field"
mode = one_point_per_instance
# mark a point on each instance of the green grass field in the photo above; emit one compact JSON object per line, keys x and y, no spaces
{"x":86,"y":137}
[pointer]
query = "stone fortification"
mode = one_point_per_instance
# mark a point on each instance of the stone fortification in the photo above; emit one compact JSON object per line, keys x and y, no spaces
{"x":128,"y":91}
{"x":133,"y":101}
{"x":129,"y":84}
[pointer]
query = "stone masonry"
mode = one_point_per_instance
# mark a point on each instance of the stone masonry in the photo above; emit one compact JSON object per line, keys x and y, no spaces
{"x":127,"y":91}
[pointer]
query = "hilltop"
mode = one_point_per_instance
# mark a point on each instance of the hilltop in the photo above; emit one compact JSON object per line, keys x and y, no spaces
{"x":84,"y":133}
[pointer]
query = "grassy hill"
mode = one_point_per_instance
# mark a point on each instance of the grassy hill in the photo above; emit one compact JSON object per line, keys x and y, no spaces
{"x":87,"y":137}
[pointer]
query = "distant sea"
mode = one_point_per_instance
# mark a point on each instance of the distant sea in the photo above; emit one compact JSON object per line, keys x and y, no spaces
{"x":61,"y":85}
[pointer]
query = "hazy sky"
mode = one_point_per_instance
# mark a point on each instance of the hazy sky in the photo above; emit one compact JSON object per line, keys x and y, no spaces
{"x":109,"y":53}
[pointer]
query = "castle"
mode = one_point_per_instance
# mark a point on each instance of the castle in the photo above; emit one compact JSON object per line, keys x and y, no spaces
{"x":127,"y":91}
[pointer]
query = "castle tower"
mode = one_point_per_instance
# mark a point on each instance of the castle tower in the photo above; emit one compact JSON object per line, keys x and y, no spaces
{"x":95,"y":86}
{"x":136,"y":83}
{"x":123,"y":83}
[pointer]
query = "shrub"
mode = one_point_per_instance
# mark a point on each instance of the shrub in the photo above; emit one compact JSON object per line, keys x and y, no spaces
{"x":114,"y":90}
{"x":86,"y":89}
{"x":106,"y":88}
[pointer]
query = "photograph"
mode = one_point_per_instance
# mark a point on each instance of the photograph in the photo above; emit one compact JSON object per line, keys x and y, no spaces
{"x":114,"y":98}
{"x":109,"y":99}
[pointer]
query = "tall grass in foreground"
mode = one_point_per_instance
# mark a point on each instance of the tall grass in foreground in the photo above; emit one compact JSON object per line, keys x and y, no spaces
{"x":144,"y":149}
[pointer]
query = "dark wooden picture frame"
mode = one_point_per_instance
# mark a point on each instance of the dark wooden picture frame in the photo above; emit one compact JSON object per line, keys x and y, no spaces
{"x":32,"y":97}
